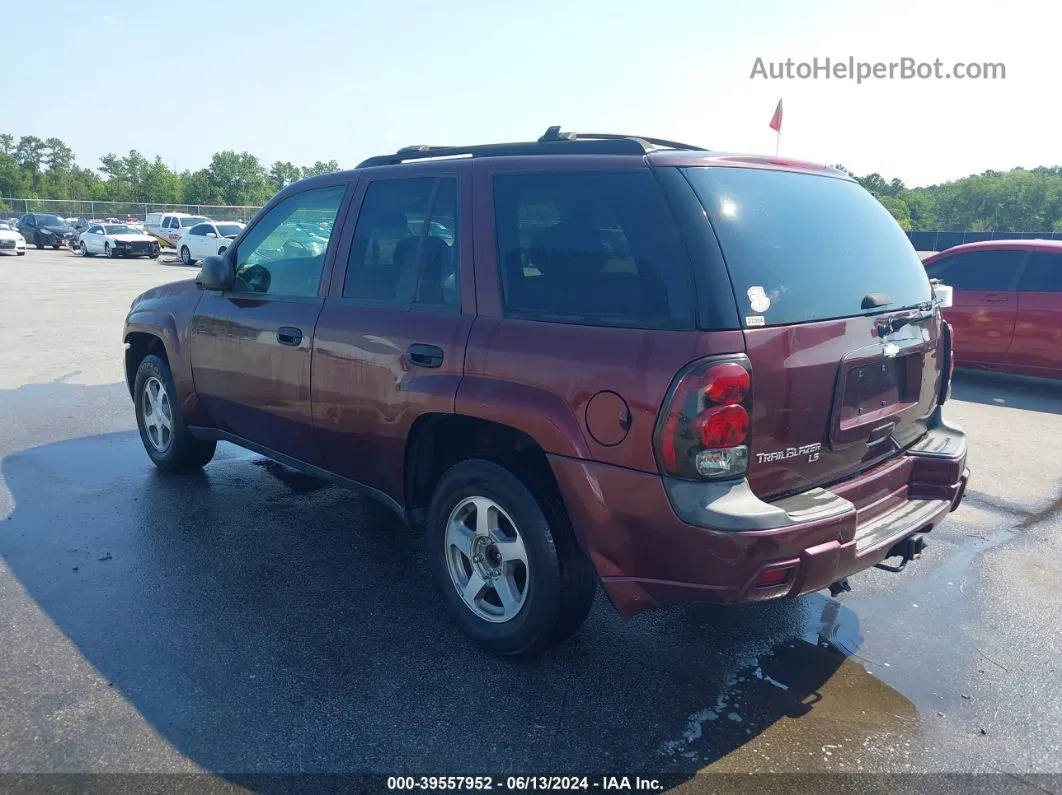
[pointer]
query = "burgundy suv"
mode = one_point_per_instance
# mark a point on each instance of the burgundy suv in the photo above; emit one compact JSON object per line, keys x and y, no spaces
{"x":686,"y":374}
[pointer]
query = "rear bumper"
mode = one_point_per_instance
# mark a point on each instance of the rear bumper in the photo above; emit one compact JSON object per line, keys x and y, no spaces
{"x":656,"y":543}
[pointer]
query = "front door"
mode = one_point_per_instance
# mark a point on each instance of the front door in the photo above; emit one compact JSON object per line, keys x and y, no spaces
{"x":390,"y":341}
{"x":251,"y":345}
{"x":984,"y":305}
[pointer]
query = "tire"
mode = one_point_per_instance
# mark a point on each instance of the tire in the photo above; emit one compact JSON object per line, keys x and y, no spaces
{"x":21,"y":253}
{"x":558,"y":579}
{"x":186,"y":256}
{"x":37,"y":242}
{"x":56,"y":246}
{"x":85,"y":252}
{"x":109,"y":252}
{"x":179,"y":451}
{"x":222,"y":250}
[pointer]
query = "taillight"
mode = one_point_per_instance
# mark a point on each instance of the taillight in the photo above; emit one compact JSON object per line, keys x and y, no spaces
{"x":703,"y":429}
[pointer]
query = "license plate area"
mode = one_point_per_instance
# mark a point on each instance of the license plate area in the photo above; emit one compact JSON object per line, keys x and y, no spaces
{"x":873,"y":390}
{"x":872,"y":387}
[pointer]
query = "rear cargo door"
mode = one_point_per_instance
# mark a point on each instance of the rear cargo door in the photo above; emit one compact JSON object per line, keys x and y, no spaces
{"x":838,"y":322}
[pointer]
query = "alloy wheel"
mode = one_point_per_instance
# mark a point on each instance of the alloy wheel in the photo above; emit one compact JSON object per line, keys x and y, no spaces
{"x":157,"y":414}
{"x":486,"y":559}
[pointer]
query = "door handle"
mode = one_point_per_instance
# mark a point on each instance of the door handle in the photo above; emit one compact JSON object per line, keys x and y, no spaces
{"x":289,"y":335}
{"x":425,"y":355}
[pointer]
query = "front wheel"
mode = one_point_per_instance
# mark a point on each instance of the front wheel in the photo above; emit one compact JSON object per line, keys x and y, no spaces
{"x":161,"y":423}
{"x":507,"y":565}
{"x":186,"y":256}
{"x":38,"y":242}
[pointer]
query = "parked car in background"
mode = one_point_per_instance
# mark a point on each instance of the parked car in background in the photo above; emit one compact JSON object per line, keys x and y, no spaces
{"x":685,"y":374}
{"x":117,"y":240}
{"x":11,"y":240}
{"x":168,"y":227}
{"x":46,"y":229}
{"x":80,"y":224}
{"x":207,"y":239}
{"x":1007,"y":306}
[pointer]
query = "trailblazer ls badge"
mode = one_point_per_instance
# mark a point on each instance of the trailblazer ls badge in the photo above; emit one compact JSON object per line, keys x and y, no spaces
{"x":810,"y":450}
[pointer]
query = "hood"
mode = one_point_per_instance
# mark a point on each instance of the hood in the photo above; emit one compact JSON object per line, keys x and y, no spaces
{"x":10,"y":234}
{"x":165,"y":294}
{"x":131,"y":237}
{"x":60,"y":228}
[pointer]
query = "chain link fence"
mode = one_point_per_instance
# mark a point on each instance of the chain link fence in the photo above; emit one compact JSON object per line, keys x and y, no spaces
{"x":71,"y":208}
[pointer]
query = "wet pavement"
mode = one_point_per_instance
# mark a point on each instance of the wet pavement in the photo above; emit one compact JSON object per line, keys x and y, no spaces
{"x":251,"y":619}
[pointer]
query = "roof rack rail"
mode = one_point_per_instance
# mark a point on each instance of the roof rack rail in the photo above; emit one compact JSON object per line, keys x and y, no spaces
{"x":552,"y":142}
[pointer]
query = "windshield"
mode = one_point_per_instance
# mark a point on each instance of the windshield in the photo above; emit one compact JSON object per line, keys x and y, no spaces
{"x":229,"y":229}
{"x":50,"y":220}
{"x":120,"y":229}
{"x":804,"y":247}
{"x":195,"y":219}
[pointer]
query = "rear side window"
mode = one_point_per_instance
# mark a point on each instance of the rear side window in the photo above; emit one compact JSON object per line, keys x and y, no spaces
{"x":1043,"y":273}
{"x":992,"y":271}
{"x":405,"y":247}
{"x":806,"y":247}
{"x":591,"y":248}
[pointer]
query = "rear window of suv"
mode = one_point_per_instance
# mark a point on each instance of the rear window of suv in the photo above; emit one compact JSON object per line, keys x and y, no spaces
{"x":804,"y":247}
{"x":591,"y":248}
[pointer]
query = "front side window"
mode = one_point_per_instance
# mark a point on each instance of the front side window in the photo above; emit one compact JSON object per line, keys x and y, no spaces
{"x":980,"y":271}
{"x":284,"y":253}
{"x":405,"y":244}
{"x":591,"y":248}
{"x":96,"y":230}
{"x":200,"y":230}
{"x":1043,"y":273}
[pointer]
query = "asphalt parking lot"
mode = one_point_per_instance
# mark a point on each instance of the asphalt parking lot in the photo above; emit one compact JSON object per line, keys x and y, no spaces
{"x":253,"y":620}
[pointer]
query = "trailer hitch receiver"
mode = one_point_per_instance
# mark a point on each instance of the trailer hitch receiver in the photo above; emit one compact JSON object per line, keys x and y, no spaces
{"x":908,"y":549}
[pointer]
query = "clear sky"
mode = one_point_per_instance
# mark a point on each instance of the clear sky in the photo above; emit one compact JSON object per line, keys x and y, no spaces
{"x":314,"y":80}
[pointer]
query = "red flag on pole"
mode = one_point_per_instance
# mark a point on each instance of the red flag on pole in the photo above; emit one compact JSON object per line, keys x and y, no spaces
{"x":776,"y":119}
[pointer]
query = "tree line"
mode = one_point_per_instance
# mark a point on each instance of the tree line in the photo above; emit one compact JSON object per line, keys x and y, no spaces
{"x":35,"y":168}
{"x":1019,"y":200}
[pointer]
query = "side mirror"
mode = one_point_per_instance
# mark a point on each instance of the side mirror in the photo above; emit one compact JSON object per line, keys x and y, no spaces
{"x":215,"y":273}
{"x":943,"y":294}
{"x":211,"y":234}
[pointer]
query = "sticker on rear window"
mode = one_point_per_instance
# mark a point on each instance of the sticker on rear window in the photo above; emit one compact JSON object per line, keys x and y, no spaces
{"x":755,"y":320}
{"x":758,"y":300}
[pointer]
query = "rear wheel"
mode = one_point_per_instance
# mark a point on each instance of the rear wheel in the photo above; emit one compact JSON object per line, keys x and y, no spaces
{"x":506,"y":564}
{"x":160,"y":421}
{"x":85,"y":251}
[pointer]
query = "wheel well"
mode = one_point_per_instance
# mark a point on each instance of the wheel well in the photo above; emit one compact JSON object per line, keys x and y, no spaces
{"x":139,"y":344}
{"x":438,"y":441}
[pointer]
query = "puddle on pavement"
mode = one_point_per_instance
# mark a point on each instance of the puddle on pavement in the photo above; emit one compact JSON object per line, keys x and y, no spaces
{"x":809,"y":705}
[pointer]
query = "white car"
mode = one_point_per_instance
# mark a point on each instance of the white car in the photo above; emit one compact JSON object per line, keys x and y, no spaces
{"x":11,"y":240}
{"x":207,"y":240}
{"x":117,"y":240}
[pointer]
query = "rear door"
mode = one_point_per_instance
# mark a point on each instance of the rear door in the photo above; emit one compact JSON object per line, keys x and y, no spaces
{"x":1037,"y":344}
{"x":390,"y":342}
{"x":985,"y":305}
{"x":838,"y":323}
{"x":586,"y":305}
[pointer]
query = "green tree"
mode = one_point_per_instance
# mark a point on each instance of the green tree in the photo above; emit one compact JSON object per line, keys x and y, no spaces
{"x":282,"y":174}
{"x":239,"y":178}
{"x":898,"y":209}
{"x":320,"y":168}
